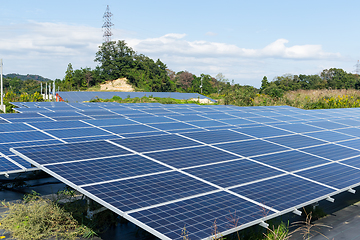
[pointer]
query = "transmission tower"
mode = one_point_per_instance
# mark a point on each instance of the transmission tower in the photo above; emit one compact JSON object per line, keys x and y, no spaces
{"x":107,"y":25}
{"x":357,"y":68}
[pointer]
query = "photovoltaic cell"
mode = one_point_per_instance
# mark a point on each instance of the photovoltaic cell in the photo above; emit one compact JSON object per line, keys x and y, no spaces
{"x":171,"y":126}
{"x":264,"y":131}
{"x":350,"y":131}
{"x":72,"y":152}
{"x":198,"y":215}
{"x":21,"y":161}
{"x":4,"y":148}
{"x":106,"y":169}
{"x":335,"y":175}
{"x":283,"y":192}
{"x":23,"y":136}
{"x":296,"y":141}
{"x":208,"y":123}
{"x":330,"y":136}
{"x":149,"y":190}
{"x":251,"y":147}
{"x":77,"y":132}
{"x":233,"y":173}
{"x":155,"y":143}
{"x":191,"y":156}
{"x":6,"y":165}
{"x":14,"y":127}
{"x":58,"y":125}
{"x":218,"y":136}
{"x":129,"y":129}
{"x":291,"y":161}
{"x":299,"y":128}
{"x":332,"y":152}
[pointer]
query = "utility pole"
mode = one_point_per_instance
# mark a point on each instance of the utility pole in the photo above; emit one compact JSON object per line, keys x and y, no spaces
{"x":45,"y":91}
{"x":201,"y":86}
{"x":2,"y":91}
{"x":357,"y":68}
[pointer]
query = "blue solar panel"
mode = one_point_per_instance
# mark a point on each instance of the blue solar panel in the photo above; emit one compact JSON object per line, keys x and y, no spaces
{"x":155,"y":143}
{"x":58,"y":125}
{"x":188,"y":118}
{"x":171,"y":126}
{"x":127,"y":181}
{"x":197,"y":215}
{"x":130,"y":129}
{"x":208,"y":123}
{"x":238,"y":121}
{"x":23,"y":136}
{"x":350,"y":131}
{"x":330,"y":136}
{"x":100,"y":170}
{"x":299,"y":128}
{"x":92,"y":138}
{"x":335,"y":175}
{"x":153,"y":119}
{"x":291,"y":161}
{"x":327,"y":124}
{"x":21,"y":161}
{"x":4,"y":148}
{"x":70,"y":118}
{"x":77,"y":132}
{"x":264,"y":131}
{"x":20,"y":120}
{"x":283,"y":192}
{"x":211,"y":137}
{"x":263,"y":120}
{"x":296,"y":141}
{"x":332,"y":152}
{"x":251,"y":147}
{"x":14,"y":127}
{"x":6,"y":165}
{"x":191,"y":156}
{"x":349,"y":122}
{"x":149,"y":190}
{"x":72,"y":152}
{"x":351,"y":143}
{"x":233,"y":173}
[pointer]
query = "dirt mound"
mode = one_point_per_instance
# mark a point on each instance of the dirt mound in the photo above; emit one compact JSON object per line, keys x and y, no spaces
{"x":119,"y":84}
{"x":203,"y":100}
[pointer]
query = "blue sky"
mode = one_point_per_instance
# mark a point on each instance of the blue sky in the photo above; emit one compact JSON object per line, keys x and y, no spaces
{"x":244,"y":40}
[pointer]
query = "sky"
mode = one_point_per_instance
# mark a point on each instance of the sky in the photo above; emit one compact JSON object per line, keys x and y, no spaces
{"x":243,"y":40}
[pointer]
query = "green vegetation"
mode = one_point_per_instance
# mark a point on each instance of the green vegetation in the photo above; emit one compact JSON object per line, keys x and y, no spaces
{"x":62,"y":217}
{"x":145,"y":99}
{"x":38,"y":218}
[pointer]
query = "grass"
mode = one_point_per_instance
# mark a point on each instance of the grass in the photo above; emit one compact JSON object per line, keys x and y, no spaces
{"x":312,"y":99}
{"x":36,"y":218}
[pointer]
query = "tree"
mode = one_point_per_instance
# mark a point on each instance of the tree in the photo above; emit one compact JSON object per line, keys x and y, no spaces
{"x":115,"y":59}
{"x":69,"y":76}
{"x":264,"y":84}
{"x":184,"y":79}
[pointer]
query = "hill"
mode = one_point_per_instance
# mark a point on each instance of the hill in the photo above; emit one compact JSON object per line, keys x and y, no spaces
{"x":27,"y":77}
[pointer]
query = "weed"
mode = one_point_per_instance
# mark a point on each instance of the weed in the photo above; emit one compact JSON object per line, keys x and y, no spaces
{"x":38,"y":218}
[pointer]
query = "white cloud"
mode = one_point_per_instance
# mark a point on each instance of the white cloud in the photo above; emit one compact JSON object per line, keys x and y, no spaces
{"x":177,"y":45}
{"x":47,"y":48}
{"x":211,"y":34}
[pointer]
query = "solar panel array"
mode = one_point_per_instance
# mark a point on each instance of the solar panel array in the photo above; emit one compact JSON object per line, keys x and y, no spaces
{"x":170,"y":167}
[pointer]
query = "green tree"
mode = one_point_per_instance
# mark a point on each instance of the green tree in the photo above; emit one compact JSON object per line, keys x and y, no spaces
{"x":264,"y":84}
{"x":69,"y":76}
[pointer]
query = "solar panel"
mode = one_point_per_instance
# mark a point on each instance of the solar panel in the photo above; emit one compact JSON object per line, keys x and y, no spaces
{"x":251,"y":147}
{"x":164,"y":182}
{"x":284,"y":192}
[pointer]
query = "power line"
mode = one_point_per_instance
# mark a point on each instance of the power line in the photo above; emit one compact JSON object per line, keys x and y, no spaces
{"x":107,"y":25}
